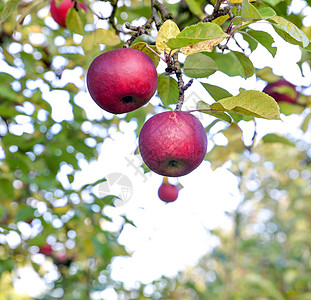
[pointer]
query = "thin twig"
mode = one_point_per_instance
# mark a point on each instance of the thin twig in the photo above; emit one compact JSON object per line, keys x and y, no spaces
{"x":164,"y":12}
{"x":138,"y":32}
{"x":216,"y":14}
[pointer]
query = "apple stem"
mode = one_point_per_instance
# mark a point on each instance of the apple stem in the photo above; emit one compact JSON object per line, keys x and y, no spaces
{"x":157,"y":54}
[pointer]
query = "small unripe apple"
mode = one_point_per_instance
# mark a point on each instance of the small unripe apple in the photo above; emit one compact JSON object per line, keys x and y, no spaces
{"x":173,"y":143}
{"x":282,"y":91}
{"x":59,"y":13}
{"x":122,"y":80}
{"x":168,"y":192}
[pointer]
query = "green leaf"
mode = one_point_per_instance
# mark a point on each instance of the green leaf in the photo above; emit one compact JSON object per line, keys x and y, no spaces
{"x":198,"y":65}
{"x":6,"y":188}
{"x":143,"y":47}
{"x":204,"y":108}
{"x":97,"y":37}
{"x":196,"y":33}
{"x":168,"y":90}
{"x":216,"y":92}
{"x":249,"y":11}
{"x":243,"y":64}
{"x":6,"y":265}
{"x":24,"y":213}
{"x":275,"y":138}
{"x":305,"y":124}
{"x":287,"y":108}
{"x":76,"y":20}
{"x":9,"y":7}
{"x":266,"y":12}
{"x":250,"y":103}
{"x":6,"y":111}
{"x":195,"y":8}
{"x":224,"y":62}
{"x":261,"y":37}
{"x":289,"y":31}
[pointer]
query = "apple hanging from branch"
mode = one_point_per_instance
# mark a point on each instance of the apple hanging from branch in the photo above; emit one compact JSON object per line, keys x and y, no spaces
{"x":282,"y":91}
{"x":122,"y":80}
{"x":173,"y":143}
{"x":59,"y":13}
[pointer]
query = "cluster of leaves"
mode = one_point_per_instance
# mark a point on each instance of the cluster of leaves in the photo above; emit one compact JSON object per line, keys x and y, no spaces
{"x":39,"y":62}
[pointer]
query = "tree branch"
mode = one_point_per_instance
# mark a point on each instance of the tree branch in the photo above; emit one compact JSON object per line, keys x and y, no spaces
{"x":218,"y":12}
{"x":165,"y":14}
{"x":138,"y":31}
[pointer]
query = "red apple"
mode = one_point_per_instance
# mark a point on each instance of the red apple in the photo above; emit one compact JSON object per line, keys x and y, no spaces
{"x":46,"y":249}
{"x":122,"y":80}
{"x":168,"y":192}
{"x":59,"y":13}
{"x":173,"y":143}
{"x":289,"y":93}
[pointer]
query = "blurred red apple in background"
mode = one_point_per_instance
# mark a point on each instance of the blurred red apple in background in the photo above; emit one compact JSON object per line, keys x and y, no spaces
{"x":282,"y":91}
{"x":46,"y":249}
{"x":173,"y":143}
{"x":59,"y":13}
{"x":122,"y":80}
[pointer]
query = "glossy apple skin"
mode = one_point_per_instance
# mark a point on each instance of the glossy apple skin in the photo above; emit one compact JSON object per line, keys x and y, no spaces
{"x":173,"y":143}
{"x":59,"y":13}
{"x":122,"y":80}
{"x":168,"y":192}
{"x":278,"y":96}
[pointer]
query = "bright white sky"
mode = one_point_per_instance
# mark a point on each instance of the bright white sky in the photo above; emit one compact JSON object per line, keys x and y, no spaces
{"x":170,"y":237}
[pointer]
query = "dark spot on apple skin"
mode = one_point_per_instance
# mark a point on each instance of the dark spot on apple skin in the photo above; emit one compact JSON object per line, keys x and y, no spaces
{"x":128,"y":99}
{"x":173,"y":163}
{"x":180,"y":124}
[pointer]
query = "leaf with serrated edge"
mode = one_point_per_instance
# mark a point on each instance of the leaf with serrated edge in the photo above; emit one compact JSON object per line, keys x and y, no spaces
{"x":168,"y":30}
{"x":201,"y":105}
{"x":143,"y":47}
{"x":289,"y":31}
{"x":197,"y":33}
{"x":199,"y":66}
{"x":250,"y":103}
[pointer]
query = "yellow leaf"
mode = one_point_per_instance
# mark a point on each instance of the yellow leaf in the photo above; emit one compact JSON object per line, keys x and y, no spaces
{"x":201,"y":46}
{"x":220,"y":20}
{"x":168,"y":30}
{"x":143,"y":47}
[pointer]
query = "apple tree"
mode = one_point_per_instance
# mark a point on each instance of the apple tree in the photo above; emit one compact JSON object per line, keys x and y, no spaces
{"x":47,"y":133}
